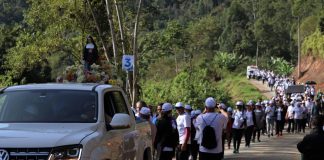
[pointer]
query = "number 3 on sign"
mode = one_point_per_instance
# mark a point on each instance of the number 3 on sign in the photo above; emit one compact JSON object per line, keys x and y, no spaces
{"x":128,"y":61}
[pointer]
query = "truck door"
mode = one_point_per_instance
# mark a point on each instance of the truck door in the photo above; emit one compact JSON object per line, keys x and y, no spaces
{"x":122,"y":141}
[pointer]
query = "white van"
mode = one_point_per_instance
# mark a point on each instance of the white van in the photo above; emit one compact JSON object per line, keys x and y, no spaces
{"x":252,"y":71}
{"x":70,"y":122}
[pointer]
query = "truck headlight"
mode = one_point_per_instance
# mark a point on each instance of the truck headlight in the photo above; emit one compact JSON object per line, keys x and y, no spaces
{"x":72,"y":152}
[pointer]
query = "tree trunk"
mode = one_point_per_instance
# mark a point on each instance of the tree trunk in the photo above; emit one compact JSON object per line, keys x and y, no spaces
{"x":121,"y":30}
{"x":99,"y":31}
{"x":135,"y":88}
{"x":112,"y":32}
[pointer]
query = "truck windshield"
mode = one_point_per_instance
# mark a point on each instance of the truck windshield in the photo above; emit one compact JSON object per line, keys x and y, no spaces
{"x":48,"y":106}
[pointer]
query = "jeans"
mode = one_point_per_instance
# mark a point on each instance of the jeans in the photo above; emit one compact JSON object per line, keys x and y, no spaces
{"x":183,"y":155}
{"x":194,"y":149}
{"x":210,"y":156}
{"x":279,"y":126}
{"x":270,"y":124}
{"x":166,"y":155}
{"x":291,"y":125}
{"x":255,"y":132}
{"x":248,"y":135}
{"x":298,"y":124}
{"x":237,"y":136}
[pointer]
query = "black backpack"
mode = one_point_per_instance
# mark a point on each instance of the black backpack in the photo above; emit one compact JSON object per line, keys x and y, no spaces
{"x":209,"y":136}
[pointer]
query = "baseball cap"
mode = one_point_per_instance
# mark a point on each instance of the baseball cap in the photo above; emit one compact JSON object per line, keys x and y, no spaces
{"x":239,"y":103}
{"x":210,"y":102}
{"x":179,"y":105}
{"x":145,"y":111}
{"x":258,"y":104}
{"x":222,"y":106}
{"x":188,"y":107}
{"x":166,"y":107}
{"x":229,"y":109}
{"x":197,"y":112}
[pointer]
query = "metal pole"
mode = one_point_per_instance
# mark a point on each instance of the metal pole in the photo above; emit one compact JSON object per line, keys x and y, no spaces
{"x":299,"y":71}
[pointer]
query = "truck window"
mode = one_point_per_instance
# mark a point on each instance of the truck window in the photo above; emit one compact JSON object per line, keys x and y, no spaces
{"x":120,"y":104}
{"x":114,"y":102}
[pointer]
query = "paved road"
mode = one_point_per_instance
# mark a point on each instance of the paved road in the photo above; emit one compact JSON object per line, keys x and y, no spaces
{"x":273,"y":148}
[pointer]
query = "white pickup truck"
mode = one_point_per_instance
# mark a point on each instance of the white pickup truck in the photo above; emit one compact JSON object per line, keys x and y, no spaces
{"x":70,"y":122}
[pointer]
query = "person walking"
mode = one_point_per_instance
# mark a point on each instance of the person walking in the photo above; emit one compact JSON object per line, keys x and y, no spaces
{"x":250,"y":123}
{"x":259,"y":117}
{"x":298,"y":116}
{"x":167,"y":136}
{"x":290,"y":118}
{"x":194,"y":137}
{"x":280,"y":119}
{"x":269,"y":111}
{"x":183,"y":126}
{"x":312,"y":145}
{"x":228,"y":131}
{"x":145,"y":113}
{"x":238,"y":125}
{"x":157,"y":114}
{"x":210,"y":127}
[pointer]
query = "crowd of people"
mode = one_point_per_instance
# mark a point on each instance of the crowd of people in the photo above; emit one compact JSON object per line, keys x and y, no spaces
{"x":181,"y":132}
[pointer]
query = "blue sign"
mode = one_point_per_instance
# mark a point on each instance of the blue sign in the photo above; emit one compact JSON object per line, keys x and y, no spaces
{"x":128,"y":62}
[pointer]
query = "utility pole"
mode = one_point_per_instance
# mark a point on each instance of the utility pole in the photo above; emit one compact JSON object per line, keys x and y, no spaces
{"x":299,"y":71}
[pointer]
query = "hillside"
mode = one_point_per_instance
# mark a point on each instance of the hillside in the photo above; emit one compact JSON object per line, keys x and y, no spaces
{"x":311,"y":69}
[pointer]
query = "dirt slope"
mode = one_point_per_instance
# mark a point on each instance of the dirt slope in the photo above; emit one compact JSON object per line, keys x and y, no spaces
{"x":312,"y":68}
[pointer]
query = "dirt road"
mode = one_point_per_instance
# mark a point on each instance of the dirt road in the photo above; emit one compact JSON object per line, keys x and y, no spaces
{"x":273,"y":148}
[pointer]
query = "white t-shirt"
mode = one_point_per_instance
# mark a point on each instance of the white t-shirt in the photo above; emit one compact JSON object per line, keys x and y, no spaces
{"x":279,"y":112}
{"x":290,"y":112}
{"x":249,"y":118}
{"x":269,"y":111}
{"x":183,"y":121}
{"x":298,"y":112}
{"x":217,"y":124}
{"x":238,"y":119}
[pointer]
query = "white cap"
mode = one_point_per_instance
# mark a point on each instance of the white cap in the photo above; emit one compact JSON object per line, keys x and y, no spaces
{"x":229,"y":109}
{"x":166,"y":107}
{"x":222,"y":106}
{"x":192,"y":114}
{"x":89,"y":46}
{"x":188,"y":107}
{"x":145,"y":111}
{"x":210,"y":102}
{"x":179,"y":105}
{"x":239,"y":103}
{"x":197,"y":112}
{"x":271,"y":102}
{"x":258,"y":104}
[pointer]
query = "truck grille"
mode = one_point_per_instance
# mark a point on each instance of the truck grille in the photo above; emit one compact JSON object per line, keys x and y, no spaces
{"x":28,"y":153}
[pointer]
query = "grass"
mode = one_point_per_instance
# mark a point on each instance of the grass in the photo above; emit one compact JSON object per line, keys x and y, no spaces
{"x":240,"y":88}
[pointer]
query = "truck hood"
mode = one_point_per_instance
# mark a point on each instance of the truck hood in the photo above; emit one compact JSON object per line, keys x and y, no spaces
{"x":43,"y":135}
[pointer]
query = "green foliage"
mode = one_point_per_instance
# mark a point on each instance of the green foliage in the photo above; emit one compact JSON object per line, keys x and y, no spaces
{"x":313,"y":44}
{"x":189,"y":87}
{"x":240,"y":88}
{"x":228,"y":61}
{"x":281,"y":66}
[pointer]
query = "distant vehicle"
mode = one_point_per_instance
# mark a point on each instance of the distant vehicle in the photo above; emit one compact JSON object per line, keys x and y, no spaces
{"x":252,"y":72}
{"x":70,"y":121}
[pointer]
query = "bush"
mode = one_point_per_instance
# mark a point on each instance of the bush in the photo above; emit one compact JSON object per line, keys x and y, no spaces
{"x":228,"y":61}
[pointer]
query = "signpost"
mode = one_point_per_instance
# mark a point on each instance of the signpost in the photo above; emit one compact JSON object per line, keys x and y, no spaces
{"x":128,"y":63}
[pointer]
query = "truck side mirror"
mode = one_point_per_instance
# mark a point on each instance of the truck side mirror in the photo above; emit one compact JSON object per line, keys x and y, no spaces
{"x":120,"y":121}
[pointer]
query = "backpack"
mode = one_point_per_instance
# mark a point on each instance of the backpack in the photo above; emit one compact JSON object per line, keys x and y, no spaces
{"x":209,"y":136}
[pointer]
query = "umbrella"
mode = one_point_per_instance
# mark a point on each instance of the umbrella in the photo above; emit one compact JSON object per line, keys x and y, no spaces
{"x":311,"y":82}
